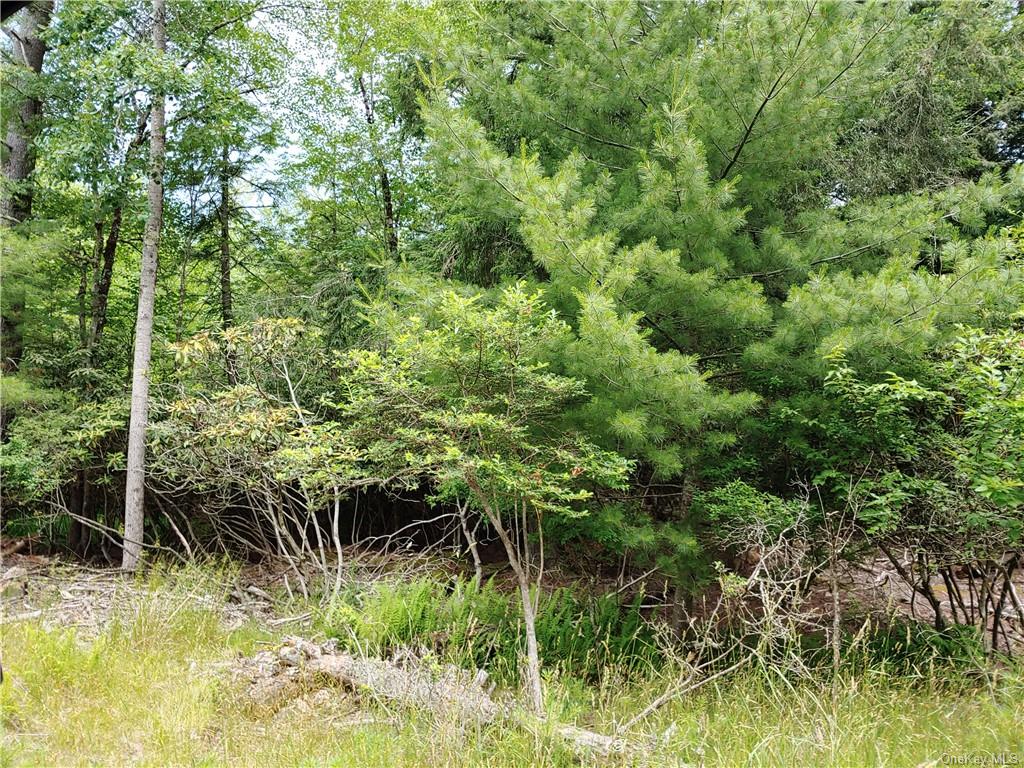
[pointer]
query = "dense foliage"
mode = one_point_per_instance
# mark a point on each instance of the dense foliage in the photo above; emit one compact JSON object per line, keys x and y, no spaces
{"x":627,"y":277}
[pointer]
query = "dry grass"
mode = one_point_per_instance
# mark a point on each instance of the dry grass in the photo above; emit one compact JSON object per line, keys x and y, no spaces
{"x":153,"y":687}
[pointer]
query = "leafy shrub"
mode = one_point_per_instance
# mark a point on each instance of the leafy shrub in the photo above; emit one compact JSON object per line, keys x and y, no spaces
{"x":18,"y":394}
{"x":51,"y":440}
{"x":986,"y":371}
{"x":738,"y":506}
{"x":478,"y":625}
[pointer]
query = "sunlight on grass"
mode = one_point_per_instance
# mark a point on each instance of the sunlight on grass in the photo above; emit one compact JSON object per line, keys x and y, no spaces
{"x":154,"y":689}
{"x":879,"y":722}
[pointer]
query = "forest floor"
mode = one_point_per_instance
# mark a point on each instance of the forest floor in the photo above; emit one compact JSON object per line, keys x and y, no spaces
{"x":100,"y":669}
{"x":872,"y":587}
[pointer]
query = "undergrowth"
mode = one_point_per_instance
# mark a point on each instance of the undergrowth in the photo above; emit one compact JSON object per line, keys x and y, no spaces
{"x":477,"y":625}
{"x":154,"y":688}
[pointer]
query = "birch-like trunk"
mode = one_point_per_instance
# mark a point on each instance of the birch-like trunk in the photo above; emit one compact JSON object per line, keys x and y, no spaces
{"x":534,"y":685}
{"x":135,"y":489}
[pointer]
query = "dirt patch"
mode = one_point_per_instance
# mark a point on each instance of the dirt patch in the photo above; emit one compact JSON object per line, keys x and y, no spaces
{"x":873,"y":588}
{"x":67,"y":594}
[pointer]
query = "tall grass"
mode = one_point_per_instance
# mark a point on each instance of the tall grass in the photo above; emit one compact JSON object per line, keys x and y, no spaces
{"x":154,"y":689}
{"x":477,"y":625}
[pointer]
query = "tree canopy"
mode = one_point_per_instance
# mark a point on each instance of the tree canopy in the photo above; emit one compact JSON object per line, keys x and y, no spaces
{"x":614,"y":271}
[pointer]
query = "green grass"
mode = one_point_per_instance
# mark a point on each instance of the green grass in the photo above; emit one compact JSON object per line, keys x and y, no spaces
{"x":858,"y":722}
{"x":477,"y":625}
{"x":152,"y":689}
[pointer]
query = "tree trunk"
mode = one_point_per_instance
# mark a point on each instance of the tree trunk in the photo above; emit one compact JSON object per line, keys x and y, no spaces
{"x":226,"y":313}
{"x":929,"y":594}
{"x":533,"y":681}
{"x":104,"y":272}
{"x":104,"y":277}
{"x":678,"y":614}
{"x":186,"y":258}
{"x":470,"y":534}
{"x":83,"y":312}
{"x":390,"y":227}
{"x":80,"y":534}
{"x":75,"y":528}
{"x":135,"y":486}
{"x":16,"y":194}
{"x":28,"y":51}
{"x":96,"y":263}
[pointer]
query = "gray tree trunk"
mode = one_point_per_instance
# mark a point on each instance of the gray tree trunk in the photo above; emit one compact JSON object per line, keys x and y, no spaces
{"x":470,"y":534}
{"x":28,"y":52}
{"x":135,"y":487}
{"x":226,"y":311}
{"x":534,"y":685}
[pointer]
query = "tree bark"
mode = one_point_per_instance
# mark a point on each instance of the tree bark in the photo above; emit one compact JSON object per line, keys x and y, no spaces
{"x":135,"y":486}
{"x":390,"y":227}
{"x":104,"y":271}
{"x":186,"y":257}
{"x":533,"y":681}
{"x":28,"y":51}
{"x":226,"y":312}
{"x":227,"y":315}
{"x":80,"y":538}
{"x":470,"y":534}
{"x":104,"y":277}
{"x":678,"y":614}
{"x":96,"y":264}
{"x":83,"y":313}
{"x":76,"y":530}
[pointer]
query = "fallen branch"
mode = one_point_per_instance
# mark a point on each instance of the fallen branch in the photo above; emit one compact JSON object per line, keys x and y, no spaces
{"x":687,"y":686}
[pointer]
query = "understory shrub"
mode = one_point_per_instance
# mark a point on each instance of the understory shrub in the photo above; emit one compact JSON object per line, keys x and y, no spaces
{"x":479,"y":625}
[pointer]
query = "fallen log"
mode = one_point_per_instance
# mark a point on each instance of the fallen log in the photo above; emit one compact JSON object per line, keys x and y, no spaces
{"x":448,"y":689}
{"x":441,"y":688}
